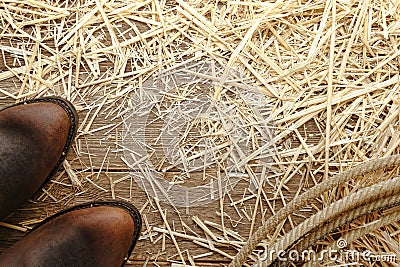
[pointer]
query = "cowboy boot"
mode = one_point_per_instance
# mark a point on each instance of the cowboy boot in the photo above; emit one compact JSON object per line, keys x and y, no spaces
{"x":100,"y":234}
{"x":35,"y":137}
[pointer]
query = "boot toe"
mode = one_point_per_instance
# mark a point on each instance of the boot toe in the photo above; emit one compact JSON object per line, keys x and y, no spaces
{"x":34,"y":139}
{"x":100,"y":234}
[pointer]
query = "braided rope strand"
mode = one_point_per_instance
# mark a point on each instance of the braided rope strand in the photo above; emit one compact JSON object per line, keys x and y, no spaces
{"x":320,"y":232}
{"x":359,"y":198}
{"x":304,"y":198}
{"x":314,"y":236}
{"x":352,"y":236}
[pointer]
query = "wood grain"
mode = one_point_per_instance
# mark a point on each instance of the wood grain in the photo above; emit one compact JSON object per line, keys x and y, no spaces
{"x":96,"y":158}
{"x":91,"y":161}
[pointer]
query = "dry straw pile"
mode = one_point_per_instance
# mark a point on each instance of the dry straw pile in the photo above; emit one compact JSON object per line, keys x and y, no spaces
{"x":328,"y":72}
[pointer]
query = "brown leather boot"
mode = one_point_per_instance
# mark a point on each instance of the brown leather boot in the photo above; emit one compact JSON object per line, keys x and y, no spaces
{"x":98,"y":234}
{"x":35,"y":137}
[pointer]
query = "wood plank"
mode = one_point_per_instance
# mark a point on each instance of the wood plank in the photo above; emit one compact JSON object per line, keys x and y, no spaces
{"x":98,"y":151}
{"x":95,"y":156}
{"x":141,"y":263}
{"x":63,"y":196}
{"x":102,"y":148}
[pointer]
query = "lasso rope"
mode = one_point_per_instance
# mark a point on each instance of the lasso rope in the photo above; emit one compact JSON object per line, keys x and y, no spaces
{"x":303,"y":199}
{"x":352,"y":236}
{"x":342,"y":206}
{"x":320,"y":232}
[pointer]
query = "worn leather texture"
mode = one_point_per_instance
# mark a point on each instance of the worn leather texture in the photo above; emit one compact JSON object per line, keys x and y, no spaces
{"x":99,"y":236}
{"x":33,"y":139}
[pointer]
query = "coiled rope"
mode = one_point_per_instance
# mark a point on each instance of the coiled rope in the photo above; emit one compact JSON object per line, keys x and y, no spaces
{"x":353,"y":235}
{"x":320,"y":232}
{"x":343,"y":206}
{"x":302,"y":200}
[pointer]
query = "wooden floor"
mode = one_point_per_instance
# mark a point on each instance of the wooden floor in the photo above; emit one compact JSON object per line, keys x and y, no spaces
{"x":295,"y":56}
{"x":96,"y":159}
